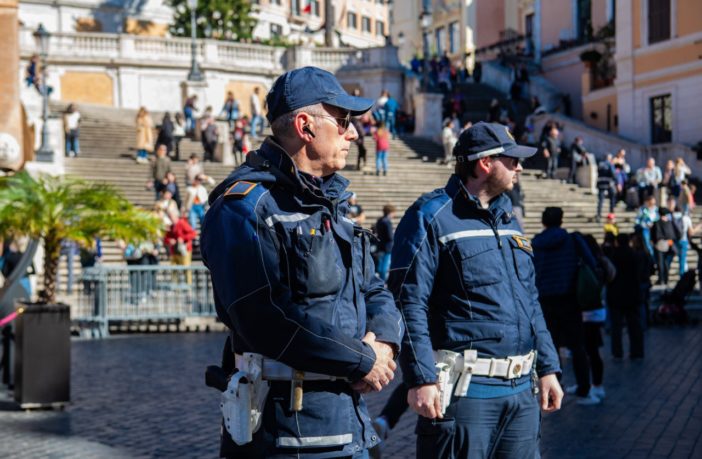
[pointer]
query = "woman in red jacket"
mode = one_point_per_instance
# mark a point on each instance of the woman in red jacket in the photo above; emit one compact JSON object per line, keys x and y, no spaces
{"x":179,"y":241}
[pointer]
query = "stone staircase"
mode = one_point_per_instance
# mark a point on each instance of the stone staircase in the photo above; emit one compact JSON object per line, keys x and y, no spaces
{"x":110,"y":133}
{"x":413,"y":171}
{"x":477,"y":98}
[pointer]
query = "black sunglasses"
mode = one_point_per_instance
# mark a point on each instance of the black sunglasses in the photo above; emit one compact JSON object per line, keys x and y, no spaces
{"x":342,"y":123}
{"x":514,"y":161}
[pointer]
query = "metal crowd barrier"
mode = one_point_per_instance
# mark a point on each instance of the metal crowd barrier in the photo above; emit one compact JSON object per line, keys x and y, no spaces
{"x":141,"y":294}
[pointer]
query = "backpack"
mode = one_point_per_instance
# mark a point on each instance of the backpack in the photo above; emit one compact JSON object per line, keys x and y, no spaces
{"x":588,"y":285}
{"x":588,"y":291}
{"x":211,"y":134}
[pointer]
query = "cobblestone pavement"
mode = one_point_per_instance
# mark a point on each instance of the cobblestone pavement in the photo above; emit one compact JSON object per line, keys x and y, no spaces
{"x":144,"y":396}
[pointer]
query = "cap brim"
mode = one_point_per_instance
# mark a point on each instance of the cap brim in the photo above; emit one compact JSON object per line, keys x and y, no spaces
{"x":520,"y":151}
{"x":355,"y":105}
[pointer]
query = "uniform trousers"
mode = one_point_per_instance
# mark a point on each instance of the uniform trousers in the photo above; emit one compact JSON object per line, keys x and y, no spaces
{"x":480,"y":428}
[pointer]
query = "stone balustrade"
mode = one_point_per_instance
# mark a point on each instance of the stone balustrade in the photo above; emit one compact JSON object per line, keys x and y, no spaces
{"x":268,"y":60}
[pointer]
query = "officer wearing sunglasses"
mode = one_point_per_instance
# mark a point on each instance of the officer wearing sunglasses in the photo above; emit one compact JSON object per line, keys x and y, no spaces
{"x":478,"y":358}
{"x":294,"y":280}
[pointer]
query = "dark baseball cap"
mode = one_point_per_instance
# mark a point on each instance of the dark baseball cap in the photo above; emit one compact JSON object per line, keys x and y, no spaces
{"x":309,"y":86}
{"x":487,"y":139}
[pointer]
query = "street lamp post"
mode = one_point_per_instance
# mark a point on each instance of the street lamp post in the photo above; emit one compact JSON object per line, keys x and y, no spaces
{"x":425,"y":20}
{"x":194,"y":74}
{"x":44,"y":153}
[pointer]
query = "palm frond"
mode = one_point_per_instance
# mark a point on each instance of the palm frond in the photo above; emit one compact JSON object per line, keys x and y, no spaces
{"x":56,"y":208}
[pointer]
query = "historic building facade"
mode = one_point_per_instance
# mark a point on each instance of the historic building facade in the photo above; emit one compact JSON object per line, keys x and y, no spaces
{"x":358,"y":23}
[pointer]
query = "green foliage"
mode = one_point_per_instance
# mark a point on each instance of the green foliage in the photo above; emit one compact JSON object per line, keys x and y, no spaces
{"x":56,"y":208}
{"x":605,"y":32}
{"x":279,"y":41}
{"x":218,"y":19}
{"x":591,"y":55}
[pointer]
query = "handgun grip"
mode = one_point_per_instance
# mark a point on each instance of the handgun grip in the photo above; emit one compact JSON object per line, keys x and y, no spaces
{"x":216,"y":377}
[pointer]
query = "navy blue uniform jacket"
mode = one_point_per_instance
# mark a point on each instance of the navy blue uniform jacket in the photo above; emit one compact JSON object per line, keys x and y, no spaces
{"x":294,"y":280}
{"x":463,"y":277}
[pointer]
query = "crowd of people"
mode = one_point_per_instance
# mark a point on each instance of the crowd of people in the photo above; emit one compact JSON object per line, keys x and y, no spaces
{"x":666,"y":231}
{"x":182,"y":211}
{"x":172,"y":130}
{"x":442,"y":73}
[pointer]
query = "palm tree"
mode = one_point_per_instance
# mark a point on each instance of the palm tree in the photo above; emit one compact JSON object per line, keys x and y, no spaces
{"x":52,"y":209}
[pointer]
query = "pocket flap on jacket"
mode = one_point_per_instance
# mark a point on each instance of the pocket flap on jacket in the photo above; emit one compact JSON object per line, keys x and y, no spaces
{"x":474,"y":330}
{"x":475,"y":247}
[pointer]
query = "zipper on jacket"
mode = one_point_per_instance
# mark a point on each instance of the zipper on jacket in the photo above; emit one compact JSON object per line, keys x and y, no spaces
{"x":493,"y":226}
{"x":497,"y":235}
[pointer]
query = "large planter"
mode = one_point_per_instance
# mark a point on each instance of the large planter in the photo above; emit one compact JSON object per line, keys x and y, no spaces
{"x":43,"y":356}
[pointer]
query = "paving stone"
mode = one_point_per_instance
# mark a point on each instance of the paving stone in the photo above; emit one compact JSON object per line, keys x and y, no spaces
{"x":141,"y":396}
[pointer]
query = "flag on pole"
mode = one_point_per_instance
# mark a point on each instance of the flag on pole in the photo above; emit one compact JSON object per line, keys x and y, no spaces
{"x":308,"y":8}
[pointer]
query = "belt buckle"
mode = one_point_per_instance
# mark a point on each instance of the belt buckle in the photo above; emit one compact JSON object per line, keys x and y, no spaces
{"x":515,"y":367}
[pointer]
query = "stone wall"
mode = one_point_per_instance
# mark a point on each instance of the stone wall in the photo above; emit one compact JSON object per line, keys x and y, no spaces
{"x":11,"y":133}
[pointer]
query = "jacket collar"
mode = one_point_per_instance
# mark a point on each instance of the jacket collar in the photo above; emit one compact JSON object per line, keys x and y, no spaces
{"x":278,"y":162}
{"x":500,"y":206}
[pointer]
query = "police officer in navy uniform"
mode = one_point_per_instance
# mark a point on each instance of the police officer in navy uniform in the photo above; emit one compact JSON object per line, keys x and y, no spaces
{"x":294,"y":279}
{"x":463,"y":278}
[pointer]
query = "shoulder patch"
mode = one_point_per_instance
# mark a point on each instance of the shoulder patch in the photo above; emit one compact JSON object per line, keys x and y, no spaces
{"x":239,"y":189}
{"x":523,"y":243}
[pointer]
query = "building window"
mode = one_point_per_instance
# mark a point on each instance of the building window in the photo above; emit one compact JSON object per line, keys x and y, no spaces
{"x":380,"y":28}
{"x":529,"y":32}
{"x":366,"y":24}
{"x":658,"y":20}
{"x":611,"y":10}
{"x":351,"y":20}
{"x":276,"y":2}
{"x":661,"y":119}
{"x":454,"y":37}
{"x":584,"y":21}
{"x":295,"y":7}
{"x":315,"y":7}
{"x":440,"y":40}
{"x":276,"y":30}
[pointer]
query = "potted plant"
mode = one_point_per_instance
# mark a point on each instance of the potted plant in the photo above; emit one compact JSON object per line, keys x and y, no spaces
{"x":590,"y":57}
{"x":50,"y":209}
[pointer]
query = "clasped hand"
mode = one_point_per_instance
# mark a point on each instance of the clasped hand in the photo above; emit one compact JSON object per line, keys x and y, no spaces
{"x":383,"y":370}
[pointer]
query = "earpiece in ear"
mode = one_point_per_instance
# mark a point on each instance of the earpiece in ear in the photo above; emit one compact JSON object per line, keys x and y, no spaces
{"x":308,"y":130}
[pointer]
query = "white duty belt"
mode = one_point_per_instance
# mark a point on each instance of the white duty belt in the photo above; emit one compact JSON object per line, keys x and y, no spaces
{"x":467,"y":364}
{"x":274,"y":370}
